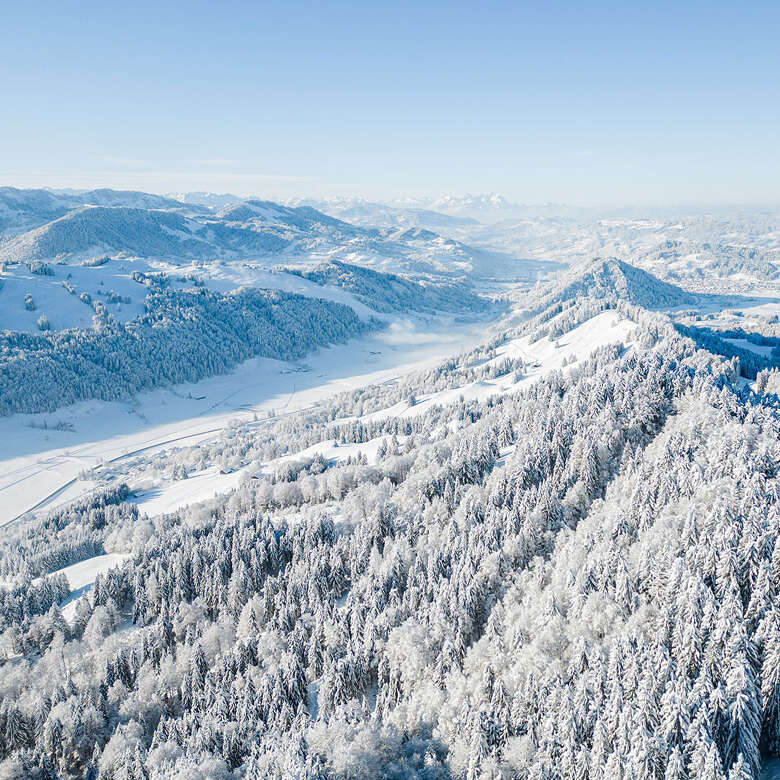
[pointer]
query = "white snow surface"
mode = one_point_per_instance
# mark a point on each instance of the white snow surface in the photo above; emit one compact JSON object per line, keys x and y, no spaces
{"x":206,"y":484}
{"x":65,"y":309}
{"x":542,"y":357}
{"x":81,"y":577}
{"x":749,"y":345}
{"x":38,"y":465}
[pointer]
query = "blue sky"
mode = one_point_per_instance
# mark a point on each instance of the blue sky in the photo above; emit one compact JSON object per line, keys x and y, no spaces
{"x":589,"y":103}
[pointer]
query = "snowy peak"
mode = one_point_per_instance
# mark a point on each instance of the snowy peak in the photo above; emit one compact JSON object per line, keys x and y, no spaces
{"x":365,"y":213}
{"x":211,"y":200}
{"x":493,"y":201}
{"x":493,"y":208}
{"x":613,"y":278}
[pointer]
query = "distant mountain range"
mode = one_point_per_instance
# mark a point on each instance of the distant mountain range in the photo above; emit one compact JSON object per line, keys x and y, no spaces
{"x":489,"y":209}
{"x":21,"y":210}
{"x":46,"y":226}
{"x":211,"y":200}
{"x":370,"y":213}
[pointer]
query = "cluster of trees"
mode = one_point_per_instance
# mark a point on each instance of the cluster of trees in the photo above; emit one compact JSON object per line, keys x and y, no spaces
{"x":184,"y":336}
{"x":388,"y":292}
{"x":575,"y":581}
{"x":750,"y":361}
{"x":31,"y":548}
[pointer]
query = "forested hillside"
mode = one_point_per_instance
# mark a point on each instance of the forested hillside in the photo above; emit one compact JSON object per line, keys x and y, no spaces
{"x":138,"y":232}
{"x":576,"y":579}
{"x":389,"y":292}
{"x":183,"y":337}
{"x":613,"y":278}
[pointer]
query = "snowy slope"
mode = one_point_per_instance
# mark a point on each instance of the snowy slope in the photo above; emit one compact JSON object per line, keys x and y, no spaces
{"x":542,"y":357}
{"x":22,"y":210}
{"x":81,"y":577}
{"x":196,"y":488}
{"x":58,"y":294}
{"x":615,"y":278}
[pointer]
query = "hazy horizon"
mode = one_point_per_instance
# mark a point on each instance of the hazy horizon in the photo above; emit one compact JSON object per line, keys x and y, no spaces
{"x":412,"y":200}
{"x":600,"y":105}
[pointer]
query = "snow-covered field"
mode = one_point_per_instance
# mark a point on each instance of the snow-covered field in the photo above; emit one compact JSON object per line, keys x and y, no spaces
{"x":65,"y":309}
{"x":749,"y":345}
{"x":206,"y":484}
{"x":58,"y":295}
{"x":40,"y":462}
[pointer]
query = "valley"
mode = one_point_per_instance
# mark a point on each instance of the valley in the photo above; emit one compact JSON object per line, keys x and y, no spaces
{"x":286,"y":496}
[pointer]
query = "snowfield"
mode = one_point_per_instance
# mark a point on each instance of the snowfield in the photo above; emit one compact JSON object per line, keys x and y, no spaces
{"x":745,"y":344}
{"x":39,"y":461}
{"x":210,"y":482}
{"x":542,"y":357}
{"x":58,"y":294}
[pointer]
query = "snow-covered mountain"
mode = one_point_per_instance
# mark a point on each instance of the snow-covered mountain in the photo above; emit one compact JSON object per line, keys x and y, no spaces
{"x":169,"y":230}
{"x":120,"y":230}
{"x":552,"y":555}
{"x":128,"y":199}
{"x":720,"y":250}
{"x":494,"y":208}
{"x":302,"y":218}
{"x":211,"y":200}
{"x":613,"y":278}
{"x":386,"y":292}
{"x":22,"y":210}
